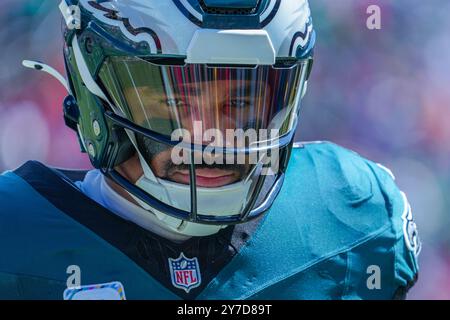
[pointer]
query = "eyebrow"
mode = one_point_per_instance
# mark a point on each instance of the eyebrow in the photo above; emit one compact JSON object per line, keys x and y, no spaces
{"x":196,"y":88}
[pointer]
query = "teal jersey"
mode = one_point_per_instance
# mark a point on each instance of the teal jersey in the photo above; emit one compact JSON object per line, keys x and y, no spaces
{"x":339,"y":229}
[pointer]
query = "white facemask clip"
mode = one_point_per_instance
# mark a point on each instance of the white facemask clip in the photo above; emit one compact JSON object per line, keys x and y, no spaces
{"x":46,"y":68}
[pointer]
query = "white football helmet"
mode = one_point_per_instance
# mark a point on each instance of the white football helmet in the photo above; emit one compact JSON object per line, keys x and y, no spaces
{"x":144,"y":75}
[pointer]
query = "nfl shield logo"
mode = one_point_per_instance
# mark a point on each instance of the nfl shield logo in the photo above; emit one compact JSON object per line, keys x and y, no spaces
{"x":185,"y":273}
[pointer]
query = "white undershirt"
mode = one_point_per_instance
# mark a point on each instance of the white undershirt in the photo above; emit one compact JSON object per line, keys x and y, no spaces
{"x":95,"y":187}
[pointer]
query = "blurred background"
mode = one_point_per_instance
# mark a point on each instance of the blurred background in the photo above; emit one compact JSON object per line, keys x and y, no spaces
{"x":383,"y":93}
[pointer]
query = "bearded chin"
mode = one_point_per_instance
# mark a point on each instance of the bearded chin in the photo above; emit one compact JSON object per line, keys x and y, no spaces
{"x":150,"y":149}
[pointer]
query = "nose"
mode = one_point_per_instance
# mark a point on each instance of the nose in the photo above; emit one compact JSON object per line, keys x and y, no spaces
{"x":210,"y":121}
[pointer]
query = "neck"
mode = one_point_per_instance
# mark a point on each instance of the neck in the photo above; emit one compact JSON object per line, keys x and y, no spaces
{"x":132,"y":171}
{"x":119,"y":190}
{"x":121,"y":202}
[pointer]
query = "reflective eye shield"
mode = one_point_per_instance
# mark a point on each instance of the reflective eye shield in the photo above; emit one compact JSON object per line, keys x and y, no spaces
{"x":166,"y":98}
{"x":161,"y":92}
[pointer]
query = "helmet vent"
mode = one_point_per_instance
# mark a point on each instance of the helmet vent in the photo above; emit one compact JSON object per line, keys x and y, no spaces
{"x":228,"y":11}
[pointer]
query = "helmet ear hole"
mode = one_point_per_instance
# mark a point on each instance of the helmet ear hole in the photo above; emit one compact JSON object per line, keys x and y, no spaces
{"x":71,"y":112}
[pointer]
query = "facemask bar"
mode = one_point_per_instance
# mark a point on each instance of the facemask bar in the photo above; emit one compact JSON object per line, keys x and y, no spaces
{"x":249,"y":213}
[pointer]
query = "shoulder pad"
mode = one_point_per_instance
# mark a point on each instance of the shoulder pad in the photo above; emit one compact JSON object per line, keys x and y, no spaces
{"x":343,"y":182}
{"x":361,"y":198}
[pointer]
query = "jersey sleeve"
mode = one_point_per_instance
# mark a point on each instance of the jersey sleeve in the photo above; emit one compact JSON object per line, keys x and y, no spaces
{"x":386,"y":267}
{"x":408,"y":244}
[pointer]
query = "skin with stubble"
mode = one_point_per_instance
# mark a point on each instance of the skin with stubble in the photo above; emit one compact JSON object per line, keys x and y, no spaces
{"x":163,"y":167}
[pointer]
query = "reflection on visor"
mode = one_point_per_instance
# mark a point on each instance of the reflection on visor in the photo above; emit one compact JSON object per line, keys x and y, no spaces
{"x":166,"y":98}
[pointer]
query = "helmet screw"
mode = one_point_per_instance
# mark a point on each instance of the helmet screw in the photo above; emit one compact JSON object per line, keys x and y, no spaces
{"x":91,"y":150}
{"x":89,"y":45}
{"x":96,"y":127}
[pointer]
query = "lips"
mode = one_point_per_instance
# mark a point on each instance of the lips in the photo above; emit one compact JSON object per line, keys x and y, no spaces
{"x":208,"y":178}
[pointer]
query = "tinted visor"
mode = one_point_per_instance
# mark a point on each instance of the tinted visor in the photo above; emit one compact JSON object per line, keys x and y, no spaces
{"x":165,"y":98}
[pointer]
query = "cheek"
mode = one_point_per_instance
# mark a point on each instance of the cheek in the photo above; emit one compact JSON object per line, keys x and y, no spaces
{"x":159,"y":163}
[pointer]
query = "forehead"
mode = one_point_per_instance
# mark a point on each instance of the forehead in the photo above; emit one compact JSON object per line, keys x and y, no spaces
{"x":222,"y":85}
{"x":210,"y":88}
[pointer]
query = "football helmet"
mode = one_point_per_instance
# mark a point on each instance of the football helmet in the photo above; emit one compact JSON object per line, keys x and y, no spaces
{"x":143,"y":75}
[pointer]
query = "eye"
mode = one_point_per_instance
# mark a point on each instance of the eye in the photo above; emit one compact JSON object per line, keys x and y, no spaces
{"x":239,"y":104}
{"x":176,"y":103}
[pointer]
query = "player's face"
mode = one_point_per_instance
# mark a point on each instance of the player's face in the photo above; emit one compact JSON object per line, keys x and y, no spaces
{"x":220,"y":105}
{"x":221,"y":113}
{"x":208,"y":176}
{"x":251,"y":102}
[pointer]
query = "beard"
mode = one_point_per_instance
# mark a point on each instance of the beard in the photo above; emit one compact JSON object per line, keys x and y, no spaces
{"x":150,"y":149}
